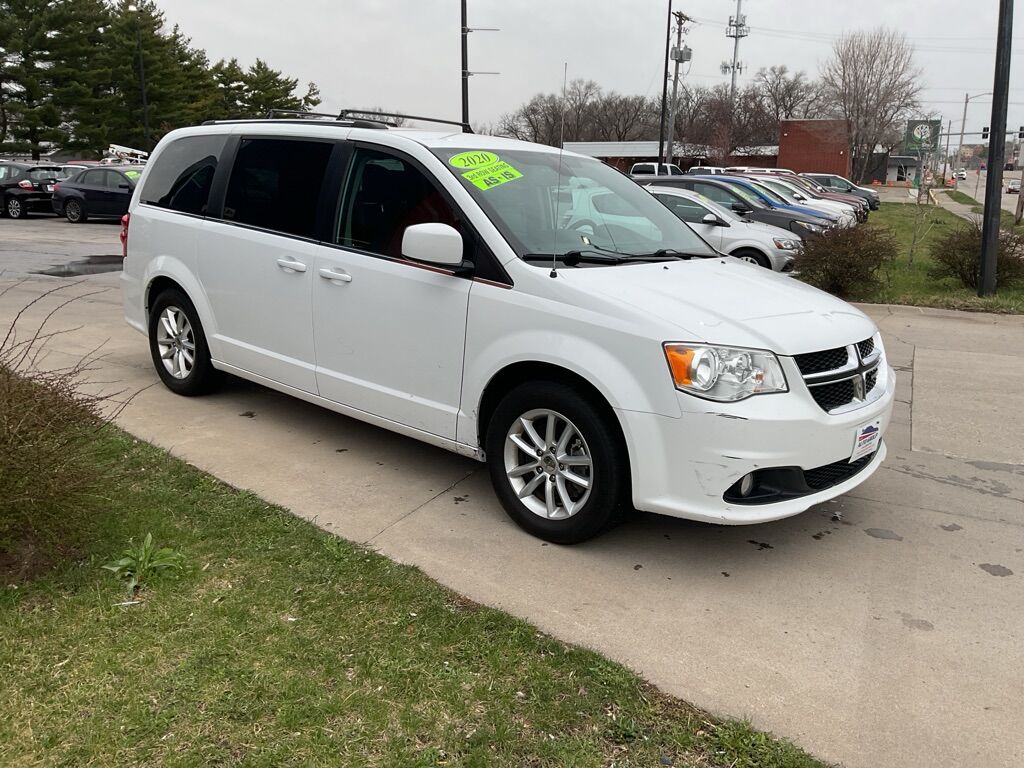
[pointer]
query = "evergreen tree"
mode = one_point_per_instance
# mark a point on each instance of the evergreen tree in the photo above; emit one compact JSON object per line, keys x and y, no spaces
{"x":267,"y":89}
{"x":33,"y":119}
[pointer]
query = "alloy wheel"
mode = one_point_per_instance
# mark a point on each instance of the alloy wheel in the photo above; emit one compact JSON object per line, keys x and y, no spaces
{"x":14,"y":208}
{"x":73,"y":211}
{"x":176,"y":342}
{"x":548,"y":464}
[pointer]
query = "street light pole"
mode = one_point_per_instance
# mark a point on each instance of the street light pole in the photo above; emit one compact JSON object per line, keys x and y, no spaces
{"x":142,"y":75}
{"x":465,"y":66}
{"x":963,"y":121}
{"x":996,"y":152}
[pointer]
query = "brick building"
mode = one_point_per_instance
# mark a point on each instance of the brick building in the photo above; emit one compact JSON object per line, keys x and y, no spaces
{"x":821,"y":146}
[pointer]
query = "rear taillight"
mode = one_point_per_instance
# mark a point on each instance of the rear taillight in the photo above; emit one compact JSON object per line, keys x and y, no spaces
{"x":124,"y":235}
{"x":25,"y":184}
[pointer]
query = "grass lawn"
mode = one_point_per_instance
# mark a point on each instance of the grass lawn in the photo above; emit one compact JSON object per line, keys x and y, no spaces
{"x":909,"y":283}
{"x":280,"y":644}
{"x":960,"y":197}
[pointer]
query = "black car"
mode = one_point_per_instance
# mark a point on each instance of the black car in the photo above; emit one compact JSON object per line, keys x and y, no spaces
{"x":96,"y":193}
{"x":26,"y":187}
{"x":750,"y":207}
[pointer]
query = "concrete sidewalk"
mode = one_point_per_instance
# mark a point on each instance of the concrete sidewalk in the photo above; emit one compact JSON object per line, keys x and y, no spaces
{"x":883,"y":629}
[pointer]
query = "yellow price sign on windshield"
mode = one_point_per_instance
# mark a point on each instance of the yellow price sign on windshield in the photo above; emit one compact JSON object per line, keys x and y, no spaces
{"x":484,"y":170}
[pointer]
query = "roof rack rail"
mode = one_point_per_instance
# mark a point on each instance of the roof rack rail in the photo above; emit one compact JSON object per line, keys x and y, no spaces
{"x":360,"y":122}
{"x":346,"y":114}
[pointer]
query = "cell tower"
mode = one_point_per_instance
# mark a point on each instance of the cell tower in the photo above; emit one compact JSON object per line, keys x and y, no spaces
{"x":737,"y":29}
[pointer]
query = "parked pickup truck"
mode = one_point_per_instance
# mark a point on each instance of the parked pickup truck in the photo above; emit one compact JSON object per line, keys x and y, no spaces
{"x":655,"y":169}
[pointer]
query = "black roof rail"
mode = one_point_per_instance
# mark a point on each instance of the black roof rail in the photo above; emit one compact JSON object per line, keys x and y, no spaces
{"x":345,"y":114}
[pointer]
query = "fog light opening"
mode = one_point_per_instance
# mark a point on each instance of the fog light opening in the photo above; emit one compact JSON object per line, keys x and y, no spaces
{"x":747,"y":485}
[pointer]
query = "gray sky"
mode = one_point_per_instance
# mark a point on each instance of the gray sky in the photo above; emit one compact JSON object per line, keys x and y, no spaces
{"x":403,"y":55}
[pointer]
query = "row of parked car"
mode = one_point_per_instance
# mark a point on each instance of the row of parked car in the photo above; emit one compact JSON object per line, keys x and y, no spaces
{"x":76,"y":191}
{"x":760,"y":215}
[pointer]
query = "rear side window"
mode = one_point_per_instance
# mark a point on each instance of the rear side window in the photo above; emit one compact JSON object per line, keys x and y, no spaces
{"x":645,"y":169}
{"x":275,"y":184}
{"x":183,"y":173}
{"x":93,"y":177}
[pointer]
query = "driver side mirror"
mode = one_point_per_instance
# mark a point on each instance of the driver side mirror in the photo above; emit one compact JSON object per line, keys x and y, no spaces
{"x":741,"y":208}
{"x":433,"y":243}
{"x":798,"y":197}
{"x":713,"y":220}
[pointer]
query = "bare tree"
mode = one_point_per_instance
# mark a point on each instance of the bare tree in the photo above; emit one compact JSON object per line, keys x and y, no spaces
{"x":787,"y":95}
{"x":872,"y":79}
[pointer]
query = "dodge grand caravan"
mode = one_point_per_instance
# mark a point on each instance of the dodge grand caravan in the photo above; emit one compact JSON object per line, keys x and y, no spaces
{"x":427,"y":282}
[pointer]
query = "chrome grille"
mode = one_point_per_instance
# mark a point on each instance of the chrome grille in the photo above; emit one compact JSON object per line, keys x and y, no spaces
{"x":843,"y":378}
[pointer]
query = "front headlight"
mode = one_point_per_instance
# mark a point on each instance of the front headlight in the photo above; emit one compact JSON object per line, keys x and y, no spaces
{"x":785,"y":245}
{"x":809,"y":227}
{"x":725,"y":374}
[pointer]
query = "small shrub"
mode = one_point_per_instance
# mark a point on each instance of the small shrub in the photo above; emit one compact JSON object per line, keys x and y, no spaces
{"x":958,"y":254}
{"x":141,"y":564}
{"x":846,"y":261}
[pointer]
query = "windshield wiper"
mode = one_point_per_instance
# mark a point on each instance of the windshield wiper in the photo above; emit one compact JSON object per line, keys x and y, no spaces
{"x":588,"y":256}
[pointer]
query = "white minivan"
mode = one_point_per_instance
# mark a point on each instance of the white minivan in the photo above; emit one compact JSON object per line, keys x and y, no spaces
{"x":426,"y":281}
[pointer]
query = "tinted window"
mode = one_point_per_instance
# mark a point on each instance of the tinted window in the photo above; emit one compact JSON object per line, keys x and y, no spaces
{"x":685,"y":209}
{"x":275,"y":184}
{"x":645,"y":169}
{"x":92,"y":177}
{"x":182,"y":175}
{"x":41,"y":174}
{"x":384,"y":195}
{"x":673,"y":171}
{"x":717,"y":194}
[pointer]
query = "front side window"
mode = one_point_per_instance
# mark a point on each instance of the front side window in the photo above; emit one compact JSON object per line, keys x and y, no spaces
{"x":718,"y":194}
{"x":524,"y":193}
{"x":384,"y":195}
{"x":275,"y":184}
{"x":182,"y":175}
{"x":684,"y":208}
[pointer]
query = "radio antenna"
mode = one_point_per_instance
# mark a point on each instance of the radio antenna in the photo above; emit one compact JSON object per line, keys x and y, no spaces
{"x":558,"y":184}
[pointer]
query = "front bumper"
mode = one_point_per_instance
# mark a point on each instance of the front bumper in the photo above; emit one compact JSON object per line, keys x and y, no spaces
{"x":684,"y":466}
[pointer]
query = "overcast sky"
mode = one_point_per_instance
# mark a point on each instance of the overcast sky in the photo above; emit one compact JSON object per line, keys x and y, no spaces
{"x":403,"y":55}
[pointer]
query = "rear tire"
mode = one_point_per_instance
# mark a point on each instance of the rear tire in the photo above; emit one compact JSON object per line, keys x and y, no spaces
{"x":74,"y":211}
{"x":557,"y":462}
{"x":753,"y":257}
{"x":178,"y":346}
{"x":15,"y":208}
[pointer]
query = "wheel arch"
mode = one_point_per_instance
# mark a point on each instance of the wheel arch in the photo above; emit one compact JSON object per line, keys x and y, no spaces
{"x":514,"y":374}
{"x":170,"y":273}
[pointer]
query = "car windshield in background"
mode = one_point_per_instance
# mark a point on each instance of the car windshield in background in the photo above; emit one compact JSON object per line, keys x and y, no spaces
{"x":41,"y":174}
{"x":748,"y":196}
{"x":585,"y":206}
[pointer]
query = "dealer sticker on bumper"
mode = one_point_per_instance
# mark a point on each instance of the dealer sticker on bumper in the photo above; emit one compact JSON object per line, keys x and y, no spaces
{"x":868,"y":437}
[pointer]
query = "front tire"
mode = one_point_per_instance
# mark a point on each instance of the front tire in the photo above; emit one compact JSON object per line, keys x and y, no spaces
{"x":557,"y":462}
{"x":753,"y":257}
{"x":74,"y":211}
{"x":15,"y":208}
{"x":178,"y":346}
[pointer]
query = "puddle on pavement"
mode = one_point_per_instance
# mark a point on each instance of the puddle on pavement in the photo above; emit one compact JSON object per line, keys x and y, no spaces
{"x":90,"y":265}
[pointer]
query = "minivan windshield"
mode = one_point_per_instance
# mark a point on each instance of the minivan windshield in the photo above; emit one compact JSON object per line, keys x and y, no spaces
{"x":584,"y":205}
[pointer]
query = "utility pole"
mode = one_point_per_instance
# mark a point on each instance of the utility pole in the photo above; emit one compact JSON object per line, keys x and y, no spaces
{"x":466,"y":74}
{"x":996,"y":152}
{"x":664,"y":85}
{"x":945,"y":157}
{"x":737,"y":29}
{"x":680,"y":54}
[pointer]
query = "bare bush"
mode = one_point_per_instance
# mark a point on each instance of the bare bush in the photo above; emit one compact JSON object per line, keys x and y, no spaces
{"x":845,"y":261}
{"x":48,"y":470}
{"x":958,"y":254}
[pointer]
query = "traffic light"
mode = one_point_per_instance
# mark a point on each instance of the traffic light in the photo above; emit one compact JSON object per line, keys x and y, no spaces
{"x":1020,"y":133}
{"x":984,"y":133}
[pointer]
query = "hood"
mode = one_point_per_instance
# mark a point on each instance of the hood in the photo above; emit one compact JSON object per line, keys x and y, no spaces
{"x":729,"y":302}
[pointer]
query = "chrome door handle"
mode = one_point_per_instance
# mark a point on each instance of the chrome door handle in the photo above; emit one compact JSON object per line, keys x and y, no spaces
{"x":330,"y":274}
{"x":289,"y":265}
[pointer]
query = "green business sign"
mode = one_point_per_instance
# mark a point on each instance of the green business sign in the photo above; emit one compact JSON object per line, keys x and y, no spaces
{"x":922,"y":136}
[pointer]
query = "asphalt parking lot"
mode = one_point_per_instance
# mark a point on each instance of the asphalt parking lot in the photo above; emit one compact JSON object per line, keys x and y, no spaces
{"x":883,"y":629}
